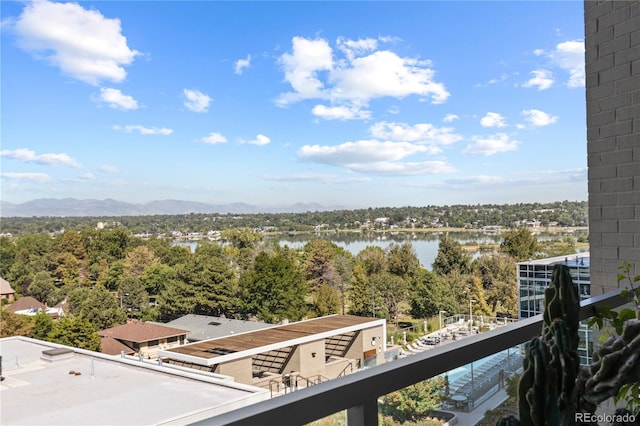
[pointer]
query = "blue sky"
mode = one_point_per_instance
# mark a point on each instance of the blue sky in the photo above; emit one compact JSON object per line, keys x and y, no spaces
{"x":351,"y":104}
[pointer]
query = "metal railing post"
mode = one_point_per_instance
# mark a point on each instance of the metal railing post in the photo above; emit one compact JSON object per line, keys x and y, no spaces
{"x":363,"y":415}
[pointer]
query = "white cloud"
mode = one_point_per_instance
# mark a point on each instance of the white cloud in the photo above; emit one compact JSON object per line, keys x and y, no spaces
{"x":29,"y":177}
{"x":382,"y":74}
{"x":542,"y":80}
{"x":301,"y":68}
{"x":538,"y":52}
{"x":214,"y":138}
{"x":88,"y":176}
{"x":500,"y":142}
{"x":315,"y":177}
{"x":362,"y":74}
{"x":82,"y":43}
{"x":569,"y":56}
{"x":493,"y":119}
{"x":363,"y":151}
{"x":404,"y":169}
{"x":116,"y":99}
{"x":538,"y":118}
{"x":260,"y":140}
{"x":241,"y":64}
{"x":107,"y":168}
{"x":29,"y":156}
{"x":450,"y":117}
{"x":502,"y":77}
{"x":144,"y":130}
{"x":343,"y":112}
{"x":422,"y":133}
{"x":196,"y":101}
{"x":352,"y":48}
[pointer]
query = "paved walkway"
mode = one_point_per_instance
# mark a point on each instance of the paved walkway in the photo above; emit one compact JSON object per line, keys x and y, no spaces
{"x":473,"y":417}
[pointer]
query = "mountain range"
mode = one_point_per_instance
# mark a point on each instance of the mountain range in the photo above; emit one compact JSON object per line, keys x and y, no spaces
{"x":109,"y":207}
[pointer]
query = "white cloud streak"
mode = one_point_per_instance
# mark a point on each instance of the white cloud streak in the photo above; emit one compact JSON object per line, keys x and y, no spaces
{"x":28,"y":177}
{"x":421,"y":133}
{"x":541,"y":80}
{"x":115,"y":99}
{"x":29,"y":156}
{"x":569,"y":56}
{"x":82,"y":43}
{"x":196,"y":101}
{"x":214,"y":138}
{"x":241,"y":65}
{"x":493,"y":119}
{"x":450,"y":118}
{"x":260,"y":140}
{"x":500,"y":142}
{"x":343,"y":112}
{"x":361,"y":73}
{"x":144,"y":130}
{"x":538,"y":118}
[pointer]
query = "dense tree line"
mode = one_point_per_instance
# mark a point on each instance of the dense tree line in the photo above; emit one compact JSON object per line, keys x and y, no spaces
{"x":107,"y":276}
{"x":564,"y":213}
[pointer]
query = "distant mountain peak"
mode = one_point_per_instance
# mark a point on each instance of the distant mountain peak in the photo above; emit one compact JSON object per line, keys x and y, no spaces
{"x":62,"y":207}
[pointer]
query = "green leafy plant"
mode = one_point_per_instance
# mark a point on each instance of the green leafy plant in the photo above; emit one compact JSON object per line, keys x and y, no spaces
{"x":607,"y":316}
{"x":629,"y":394}
{"x":553,"y":388}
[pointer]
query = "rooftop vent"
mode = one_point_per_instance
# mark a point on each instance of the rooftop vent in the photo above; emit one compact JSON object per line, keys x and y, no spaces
{"x":57,"y":354}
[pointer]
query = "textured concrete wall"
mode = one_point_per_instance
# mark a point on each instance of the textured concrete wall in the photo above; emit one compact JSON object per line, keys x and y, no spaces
{"x":612,"y":30}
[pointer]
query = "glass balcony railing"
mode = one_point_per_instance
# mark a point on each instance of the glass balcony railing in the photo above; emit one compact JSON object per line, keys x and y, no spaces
{"x":358,"y":393}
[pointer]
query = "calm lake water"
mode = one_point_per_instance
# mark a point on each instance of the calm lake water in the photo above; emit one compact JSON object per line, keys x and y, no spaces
{"x":425,"y":245}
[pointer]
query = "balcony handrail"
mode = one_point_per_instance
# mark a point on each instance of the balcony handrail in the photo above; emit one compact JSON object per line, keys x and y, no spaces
{"x":359,"y":392}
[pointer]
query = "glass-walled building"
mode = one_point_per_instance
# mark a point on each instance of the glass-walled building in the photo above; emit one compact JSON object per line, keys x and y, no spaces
{"x":533,"y":278}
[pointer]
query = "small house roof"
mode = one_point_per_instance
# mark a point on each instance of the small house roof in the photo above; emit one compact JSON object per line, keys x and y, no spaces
{"x":26,"y":303}
{"x":141,"y":332}
{"x":111,"y":346}
{"x":5,"y":287}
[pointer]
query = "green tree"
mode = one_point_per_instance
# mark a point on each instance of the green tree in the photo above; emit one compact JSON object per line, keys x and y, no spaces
{"x":520,"y":244}
{"x":42,"y":326}
{"x":429,"y":296}
{"x":451,"y":258}
{"x":156,"y":276}
{"x":402,"y":260}
{"x":373,"y":259}
{"x":8,"y":252}
{"x":413,"y":402}
{"x":75,"y":331}
{"x":112,"y":277}
{"x":133,"y":297}
{"x":274,"y":287}
{"x":500,"y":283}
{"x":137,"y":260}
{"x":480,"y":306}
{"x":13,"y":324}
{"x":176,"y":299}
{"x":98,"y":306}
{"x":326,"y":301}
{"x":216,"y":287}
{"x":43,"y":289}
{"x":364,"y":299}
{"x":393,"y":291}
{"x":319,"y":258}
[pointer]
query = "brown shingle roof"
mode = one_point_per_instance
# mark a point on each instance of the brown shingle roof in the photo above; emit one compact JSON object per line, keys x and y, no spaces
{"x":141,"y":332}
{"x":5,"y":287}
{"x":24,"y":303}
{"x":111,"y":346}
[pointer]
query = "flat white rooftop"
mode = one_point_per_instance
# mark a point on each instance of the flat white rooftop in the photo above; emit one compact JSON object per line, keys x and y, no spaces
{"x":107,"y":390}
